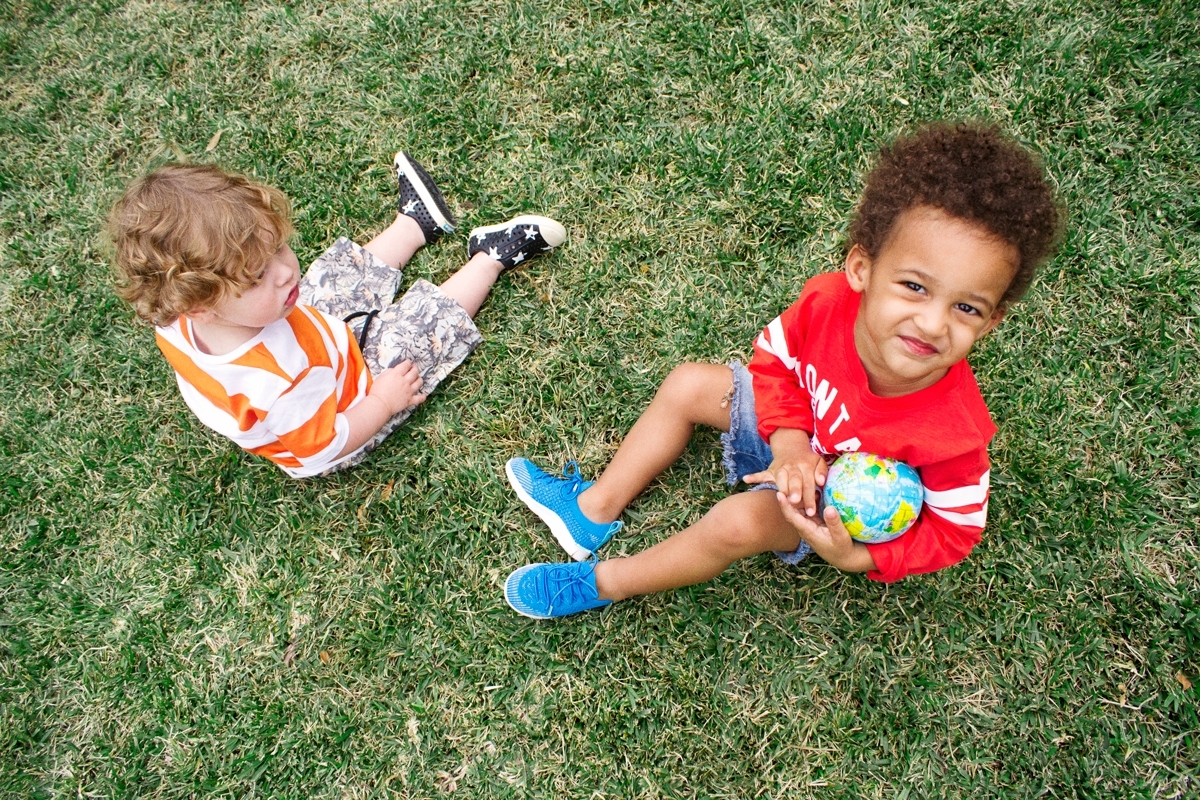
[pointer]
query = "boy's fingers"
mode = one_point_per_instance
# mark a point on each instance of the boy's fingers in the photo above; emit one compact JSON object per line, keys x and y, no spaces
{"x":757,"y":477}
{"x":811,"y":490}
{"x":781,"y":480}
{"x":792,"y":515}
{"x":794,"y":487}
{"x":822,"y":469}
{"x":787,"y":482}
{"x":833,"y":521}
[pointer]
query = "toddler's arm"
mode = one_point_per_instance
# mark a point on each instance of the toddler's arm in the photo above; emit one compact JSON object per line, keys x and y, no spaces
{"x":800,"y":475}
{"x":394,"y":390}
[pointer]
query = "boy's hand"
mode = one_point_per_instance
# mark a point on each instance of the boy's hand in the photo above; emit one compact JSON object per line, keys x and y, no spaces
{"x":830,"y":541}
{"x":797,"y":471}
{"x":399,"y":387}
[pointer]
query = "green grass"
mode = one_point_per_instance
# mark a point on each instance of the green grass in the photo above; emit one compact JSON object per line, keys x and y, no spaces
{"x":178,"y":619}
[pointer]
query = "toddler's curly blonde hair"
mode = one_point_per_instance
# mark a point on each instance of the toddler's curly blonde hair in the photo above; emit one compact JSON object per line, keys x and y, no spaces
{"x":185,"y":235}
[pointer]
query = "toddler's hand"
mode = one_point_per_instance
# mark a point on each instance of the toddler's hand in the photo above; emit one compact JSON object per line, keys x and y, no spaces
{"x":399,"y":387}
{"x":799,"y":479}
{"x":830,"y":541}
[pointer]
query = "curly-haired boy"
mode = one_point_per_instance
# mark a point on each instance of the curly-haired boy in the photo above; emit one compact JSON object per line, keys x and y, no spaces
{"x":311,"y":372}
{"x":951,"y":227}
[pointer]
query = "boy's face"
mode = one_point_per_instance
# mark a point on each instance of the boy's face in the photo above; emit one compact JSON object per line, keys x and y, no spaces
{"x":270,"y":299}
{"x":933,"y":290}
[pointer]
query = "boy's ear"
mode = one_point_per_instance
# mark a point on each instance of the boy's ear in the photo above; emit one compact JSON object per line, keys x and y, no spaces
{"x":858,"y":267}
{"x":996,"y":318}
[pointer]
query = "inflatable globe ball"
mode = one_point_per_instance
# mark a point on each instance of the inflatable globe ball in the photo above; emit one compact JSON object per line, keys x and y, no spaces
{"x":877,"y":498}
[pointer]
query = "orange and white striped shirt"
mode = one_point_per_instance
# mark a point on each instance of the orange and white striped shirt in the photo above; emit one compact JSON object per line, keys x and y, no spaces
{"x":283,"y":394}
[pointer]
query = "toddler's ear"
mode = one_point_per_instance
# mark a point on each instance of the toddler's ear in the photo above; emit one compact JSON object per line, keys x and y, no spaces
{"x":858,"y":267}
{"x":201,"y":315}
{"x":996,"y":318}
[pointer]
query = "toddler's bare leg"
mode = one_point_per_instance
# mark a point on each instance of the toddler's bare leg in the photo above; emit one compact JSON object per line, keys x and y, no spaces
{"x":692,"y":394}
{"x":741,"y":525}
{"x":471,"y":285}
{"x":398,"y":242}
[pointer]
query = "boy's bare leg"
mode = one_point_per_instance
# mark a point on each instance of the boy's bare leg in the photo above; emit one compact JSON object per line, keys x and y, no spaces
{"x":692,"y":394}
{"x":471,"y":285}
{"x":398,"y":242}
{"x":739,"y":526}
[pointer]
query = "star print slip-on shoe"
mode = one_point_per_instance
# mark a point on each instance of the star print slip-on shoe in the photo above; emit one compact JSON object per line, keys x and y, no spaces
{"x":514,"y":242}
{"x":420,"y":198}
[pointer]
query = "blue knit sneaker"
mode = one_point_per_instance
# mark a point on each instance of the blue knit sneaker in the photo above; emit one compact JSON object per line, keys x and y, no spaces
{"x":543,"y":591}
{"x":556,"y":501}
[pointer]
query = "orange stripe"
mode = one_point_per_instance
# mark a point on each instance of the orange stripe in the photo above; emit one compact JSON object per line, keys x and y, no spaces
{"x":324,"y":323}
{"x":273,"y":451}
{"x":308,"y":336}
{"x":317,"y":432}
{"x":357,"y":368}
{"x":259,"y":357}
{"x":185,"y":329}
{"x":237,"y":406}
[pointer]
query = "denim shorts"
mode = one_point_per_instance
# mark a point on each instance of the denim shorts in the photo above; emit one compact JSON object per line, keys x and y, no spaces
{"x":745,"y":452}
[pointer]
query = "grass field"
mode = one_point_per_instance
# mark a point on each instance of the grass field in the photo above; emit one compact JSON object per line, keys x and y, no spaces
{"x":178,"y":619}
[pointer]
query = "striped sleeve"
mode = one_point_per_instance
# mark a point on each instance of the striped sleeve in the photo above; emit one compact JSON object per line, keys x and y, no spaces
{"x":950,"y":524}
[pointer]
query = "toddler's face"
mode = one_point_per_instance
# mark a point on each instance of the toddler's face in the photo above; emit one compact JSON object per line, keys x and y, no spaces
{"x":270,"y":299}
{"x":932,"y":292}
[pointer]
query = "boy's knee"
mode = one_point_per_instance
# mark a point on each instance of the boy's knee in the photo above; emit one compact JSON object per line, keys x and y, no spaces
{"x":694,"y":385}
{"x":738,"y":532}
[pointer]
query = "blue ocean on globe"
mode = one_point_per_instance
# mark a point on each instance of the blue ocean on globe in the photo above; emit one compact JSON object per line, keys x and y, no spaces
{"x":877,"y":498}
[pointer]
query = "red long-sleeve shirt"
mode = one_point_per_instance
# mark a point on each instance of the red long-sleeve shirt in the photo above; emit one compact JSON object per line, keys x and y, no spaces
{"x":807,"y":376}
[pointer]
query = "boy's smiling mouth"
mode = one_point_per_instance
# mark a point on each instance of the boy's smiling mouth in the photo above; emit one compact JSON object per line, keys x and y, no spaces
{"x":918,"y":347}
{"x":293,"y":295}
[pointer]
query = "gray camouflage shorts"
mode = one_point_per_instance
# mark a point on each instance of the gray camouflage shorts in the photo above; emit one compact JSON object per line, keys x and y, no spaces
{"x":425,"y":326}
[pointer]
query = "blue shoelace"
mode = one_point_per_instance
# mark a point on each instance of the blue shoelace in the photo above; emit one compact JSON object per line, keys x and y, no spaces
{"x":571,"y":474}
{"x":574,"y":585}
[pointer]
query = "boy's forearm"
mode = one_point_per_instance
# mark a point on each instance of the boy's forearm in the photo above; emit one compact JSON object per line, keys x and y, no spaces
{"x":365,"y":419}
{"x":857,"y":559}
{"x":788,"y":443}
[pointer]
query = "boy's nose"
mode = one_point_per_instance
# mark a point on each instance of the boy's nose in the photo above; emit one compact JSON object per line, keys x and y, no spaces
{"x":932,"y":321}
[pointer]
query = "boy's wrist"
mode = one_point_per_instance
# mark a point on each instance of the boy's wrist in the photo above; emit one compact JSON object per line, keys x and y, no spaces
{"x":790,"y":445}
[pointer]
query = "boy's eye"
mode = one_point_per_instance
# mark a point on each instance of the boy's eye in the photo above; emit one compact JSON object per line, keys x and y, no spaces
{"x":967,"y":309}
{"x":916,"y":287}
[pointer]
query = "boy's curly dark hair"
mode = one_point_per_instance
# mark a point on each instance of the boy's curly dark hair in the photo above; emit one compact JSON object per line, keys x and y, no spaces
{"x":973,"y":172}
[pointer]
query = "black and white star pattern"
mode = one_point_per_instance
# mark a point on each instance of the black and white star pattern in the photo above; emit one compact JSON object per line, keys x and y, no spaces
{"x":516,"y":241}
{"x":413,"y":181}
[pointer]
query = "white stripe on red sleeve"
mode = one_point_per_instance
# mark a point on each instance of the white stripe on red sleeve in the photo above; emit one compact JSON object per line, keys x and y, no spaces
{"x":777,"y":344}
{"x":964,"y":505}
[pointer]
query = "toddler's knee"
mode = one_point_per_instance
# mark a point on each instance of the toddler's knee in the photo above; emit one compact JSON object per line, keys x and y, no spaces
{"x":737,"y":533}
{"x":692,"y":385}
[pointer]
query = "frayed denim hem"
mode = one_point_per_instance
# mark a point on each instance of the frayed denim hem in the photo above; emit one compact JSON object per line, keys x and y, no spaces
{"x":743,"y":450}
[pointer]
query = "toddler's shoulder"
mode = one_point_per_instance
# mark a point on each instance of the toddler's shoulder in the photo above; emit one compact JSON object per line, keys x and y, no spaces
{"x":830,"y":287}
{"x":964,"y":409}
{"x":823,"y":293}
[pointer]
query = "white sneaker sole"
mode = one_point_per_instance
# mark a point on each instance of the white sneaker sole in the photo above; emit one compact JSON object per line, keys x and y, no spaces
{"x":552,"y":232}
{"x":513,"y":606}
{"x":552,"y":520}
{"x":402,"y":164}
